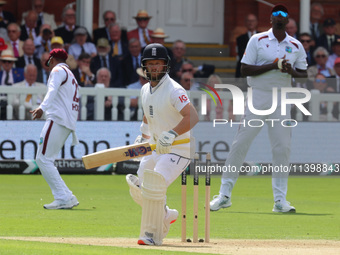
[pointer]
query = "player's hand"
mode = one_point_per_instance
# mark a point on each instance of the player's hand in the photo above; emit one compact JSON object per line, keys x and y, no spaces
{"x":164,"y":142}
{"x":140,"y":139}
{"x":286,"y":67}
{"x":37,"y":113}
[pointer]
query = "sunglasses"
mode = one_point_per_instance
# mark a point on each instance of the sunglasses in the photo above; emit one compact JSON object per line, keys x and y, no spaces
{"x":186,"y":70}
{"x":110,"y":19}
{"x":320,"y":56}
{"x":319,"y":81}
{"x":7,"y":61}
{"x":283,"y":14}
{"x":303,"y":41}
{"x":48,"y":62}
{"x":142,"y":19}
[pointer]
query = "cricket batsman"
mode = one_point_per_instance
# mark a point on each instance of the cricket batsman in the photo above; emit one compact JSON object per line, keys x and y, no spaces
{"x":168,"y":116}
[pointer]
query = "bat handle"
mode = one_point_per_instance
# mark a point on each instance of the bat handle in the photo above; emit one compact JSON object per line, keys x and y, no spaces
{"x":182,"y":141}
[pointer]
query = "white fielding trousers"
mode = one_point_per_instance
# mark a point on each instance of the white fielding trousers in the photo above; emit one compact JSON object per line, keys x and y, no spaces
{"x":280,"y":140}
{"x":52,"y":139}
{"x":170,"y":166}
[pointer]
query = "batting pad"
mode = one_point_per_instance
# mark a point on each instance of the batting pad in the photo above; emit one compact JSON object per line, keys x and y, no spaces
{"x":153,"y":196}
{"x":135,"y":191}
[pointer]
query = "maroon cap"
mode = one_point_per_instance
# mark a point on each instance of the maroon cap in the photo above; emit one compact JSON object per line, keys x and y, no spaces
{"x":57,"y":53}
{"x":280,"y":7}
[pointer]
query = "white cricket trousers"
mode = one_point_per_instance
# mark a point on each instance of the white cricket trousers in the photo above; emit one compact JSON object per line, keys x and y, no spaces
{"x":280,"y":140}
{"x":170,"y":166}
{"x":52,"y":139}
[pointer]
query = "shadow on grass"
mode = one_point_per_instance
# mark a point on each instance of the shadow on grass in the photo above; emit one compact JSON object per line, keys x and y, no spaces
{"x":288,"y":213}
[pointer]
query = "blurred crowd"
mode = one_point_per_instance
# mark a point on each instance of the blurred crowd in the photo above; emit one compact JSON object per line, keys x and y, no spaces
{"x":112,"y":56}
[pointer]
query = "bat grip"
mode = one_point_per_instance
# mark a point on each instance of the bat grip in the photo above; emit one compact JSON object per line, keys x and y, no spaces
{"x":182,"y":141}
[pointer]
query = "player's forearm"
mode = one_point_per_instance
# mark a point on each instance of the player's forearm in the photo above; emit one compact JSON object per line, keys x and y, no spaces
{"x":190,"y":119}
{"x":299,"y":73}
{"x":253,"y":70}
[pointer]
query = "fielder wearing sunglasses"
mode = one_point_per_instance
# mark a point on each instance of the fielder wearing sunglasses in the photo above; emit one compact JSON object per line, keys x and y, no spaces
{"x":282,"y":13}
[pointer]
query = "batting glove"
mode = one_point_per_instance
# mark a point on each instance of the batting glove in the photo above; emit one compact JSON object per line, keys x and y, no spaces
{"x":164,"y":142}
{"x":141,"y":139}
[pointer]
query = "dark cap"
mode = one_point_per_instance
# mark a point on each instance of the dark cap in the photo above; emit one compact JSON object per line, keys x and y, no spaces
{"x":57,"y":53}
{"x":329,"y":22}
{"x":279,"y":7}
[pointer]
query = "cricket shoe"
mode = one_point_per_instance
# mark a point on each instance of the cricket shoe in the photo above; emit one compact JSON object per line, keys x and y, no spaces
{"x":220,"y":201}
{"x":283,"y":207}
{"x":170,"y":217}
{"x":146,"y":241}
{"x":60,"y":204}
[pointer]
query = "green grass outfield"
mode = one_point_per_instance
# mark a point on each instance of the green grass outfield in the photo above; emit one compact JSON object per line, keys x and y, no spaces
{"x":106,"y":210}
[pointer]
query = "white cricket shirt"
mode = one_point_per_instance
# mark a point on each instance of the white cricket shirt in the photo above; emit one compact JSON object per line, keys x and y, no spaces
{"x":264,"y":48}
{"x":61,"y":102}
{"x":162,"y":105}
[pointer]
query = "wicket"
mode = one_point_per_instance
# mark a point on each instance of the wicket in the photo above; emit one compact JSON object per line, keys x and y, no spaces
{"x":195,"y":202}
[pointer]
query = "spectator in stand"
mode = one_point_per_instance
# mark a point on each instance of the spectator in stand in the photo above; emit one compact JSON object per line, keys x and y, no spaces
{"x":14,"y":43}
{"x":336,"y":85}
{"x":30,"y":74}
{"x":30,"y":28}
{"x":335,"y":55}
{"x":8,"y":76}
{"x":241,"y":41}
{"x":212,"y":80}
{"x":118,"y":45}
{"x":58,"y":43}
{"x":83,"y":73}
{"x":187,"y":80}
{"x":202,"y":71}
{"x":142,"y":33}
{"x":28,"y":57}
{"x":131,"y":62}
{"x":136,"y":85}
{"x":291,"y":28}
{"x":109,"y":18}
{"x":178,"y":50}
{"x":316,"y":14}
{"x":327,"y":39}
{"x":158,"y":36}
{"x":104,"y":59}
{"x":81,"y":46}
{"x":67,"y":30}
{"x":44,"y":72}
{"x":104,"y":76}
{"x":85,"y":78}
{"x":5,"y":16}
{"x":43,"y":17}
{"x":321,"y":56}
{"x":320,"y":83}
{"x":43,"y":41}
{"x":306,"y":41}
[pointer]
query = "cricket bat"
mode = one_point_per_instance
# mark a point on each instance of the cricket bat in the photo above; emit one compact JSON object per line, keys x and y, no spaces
{"x":122,"y":153}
